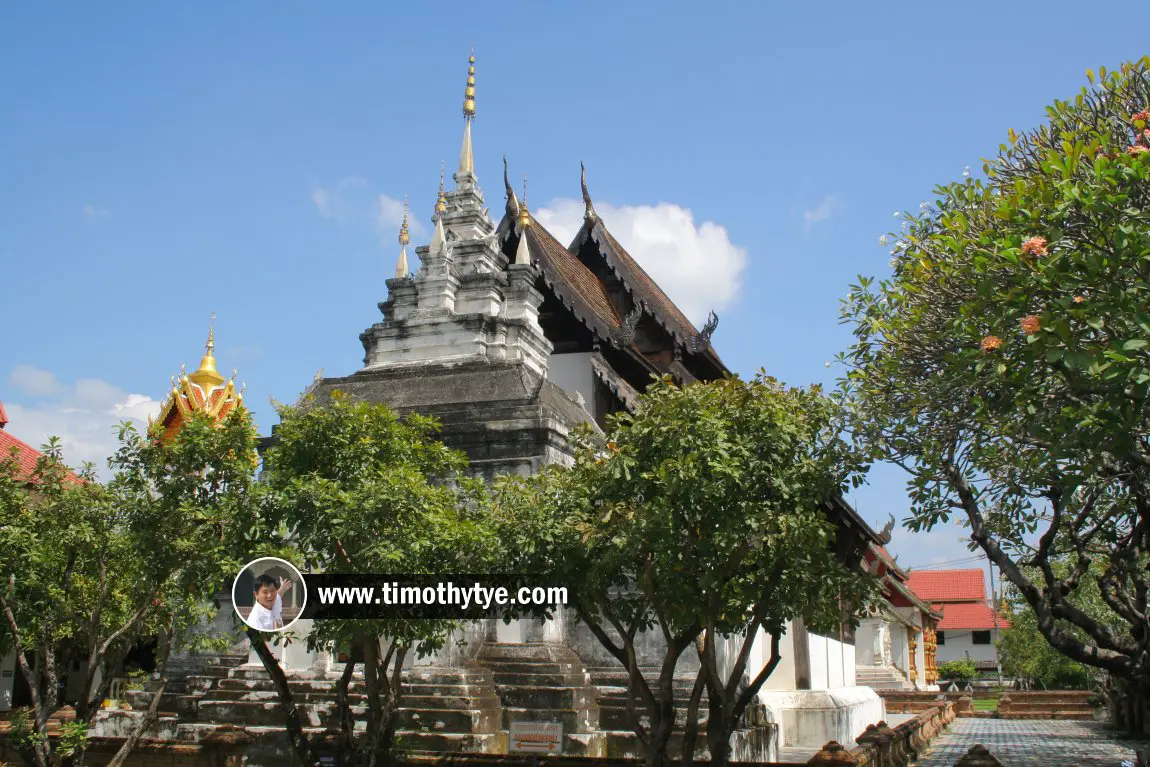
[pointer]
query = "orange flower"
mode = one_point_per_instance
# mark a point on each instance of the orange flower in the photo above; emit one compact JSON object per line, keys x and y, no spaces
{"x":612,"y":447}
{"x":1030,"y":324}
{"x":1035,"y":246}
{"x":1078,"y":299}
{"x":990,"y":343}
{"x":1136,"y":149}
{"x":1143,"y":115}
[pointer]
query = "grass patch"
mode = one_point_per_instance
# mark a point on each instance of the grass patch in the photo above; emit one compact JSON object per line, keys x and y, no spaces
{"x":985,"y":704}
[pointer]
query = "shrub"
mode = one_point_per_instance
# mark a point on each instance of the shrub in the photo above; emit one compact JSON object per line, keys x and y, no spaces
{"x":958,"y":670}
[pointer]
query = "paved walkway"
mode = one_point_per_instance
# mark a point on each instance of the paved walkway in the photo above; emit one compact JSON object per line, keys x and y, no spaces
{"x":1032,"y":744}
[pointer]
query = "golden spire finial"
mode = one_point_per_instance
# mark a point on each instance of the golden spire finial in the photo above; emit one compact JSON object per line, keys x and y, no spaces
{"x":524,"y":215}
{"x":207,"y":377}
{"x":522,"y":252}
{"x":401,"y":268}
{"x":441,"y":200}
{"x":469,"y":92}
{"x":404,"y":236}
{"x":466,"y":156}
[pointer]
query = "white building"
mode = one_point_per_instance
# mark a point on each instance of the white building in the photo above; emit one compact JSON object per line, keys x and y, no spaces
{"x":970,"y":626}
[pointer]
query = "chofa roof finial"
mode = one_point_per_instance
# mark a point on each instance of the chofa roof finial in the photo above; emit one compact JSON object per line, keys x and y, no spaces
{"x":589,"y":209}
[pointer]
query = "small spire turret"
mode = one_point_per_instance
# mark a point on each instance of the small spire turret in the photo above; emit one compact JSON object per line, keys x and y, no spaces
{"x":524,"y":214}
{"x":401,"y":268}
{"x":441,"y":200}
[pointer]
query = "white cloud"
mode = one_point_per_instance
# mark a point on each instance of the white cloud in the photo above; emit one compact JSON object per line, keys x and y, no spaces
{"x":94,"y":211}
{"x":34,"y":381}
{"x":696,"y":264}
{"x":389,"y":217}
{"x":84,"y":415}
{"x":825,"y":209}
{"x":352,"y":201}
{"x":345,"y":201}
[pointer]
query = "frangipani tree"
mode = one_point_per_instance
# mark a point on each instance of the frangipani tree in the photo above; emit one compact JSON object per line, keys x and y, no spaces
{"x":1006,"y":366}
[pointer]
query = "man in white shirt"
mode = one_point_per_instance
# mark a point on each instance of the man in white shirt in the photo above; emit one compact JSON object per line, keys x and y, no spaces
{"x":267,"y":612}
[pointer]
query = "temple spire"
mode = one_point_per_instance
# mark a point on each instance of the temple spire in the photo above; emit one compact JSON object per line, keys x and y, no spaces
{"x":441,"y":200}
{"x":522,"y":251}
{"x":401,"y":269}
{"x":207,"y":377}
{"x":466,"y":156}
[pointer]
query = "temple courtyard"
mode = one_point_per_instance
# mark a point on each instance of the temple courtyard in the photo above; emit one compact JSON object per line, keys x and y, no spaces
{"x":1033,"y":743}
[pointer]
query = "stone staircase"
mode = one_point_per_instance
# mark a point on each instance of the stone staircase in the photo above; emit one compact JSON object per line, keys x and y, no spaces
{"x":442,"y":709}
{"x":881,"y":678}
{"x":611,"y":684}
{"x":546,"y":682}
{"x":460,"y":709}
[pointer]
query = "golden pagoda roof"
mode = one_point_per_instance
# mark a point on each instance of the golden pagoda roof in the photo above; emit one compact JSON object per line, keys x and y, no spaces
{"x":203,"y":391}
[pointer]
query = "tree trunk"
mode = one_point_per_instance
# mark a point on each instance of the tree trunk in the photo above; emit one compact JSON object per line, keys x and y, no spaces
{"x":691,"y":728}
{"x":293,"y":721}
{"x":152,"y":714}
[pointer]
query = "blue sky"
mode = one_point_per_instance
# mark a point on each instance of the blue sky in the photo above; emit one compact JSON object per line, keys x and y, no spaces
{"x":161,"y":162}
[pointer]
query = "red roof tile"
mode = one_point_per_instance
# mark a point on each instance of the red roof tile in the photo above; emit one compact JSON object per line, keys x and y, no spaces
{"x":949,"y":585}
{"x":969,"y":615}
{"x":573,"y":283}
{"x":26,"y":455}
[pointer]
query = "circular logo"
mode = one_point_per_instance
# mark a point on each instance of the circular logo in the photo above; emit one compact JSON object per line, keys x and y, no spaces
{"x":269,"y":594}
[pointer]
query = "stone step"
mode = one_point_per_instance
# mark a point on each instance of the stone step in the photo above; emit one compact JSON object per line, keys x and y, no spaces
{"x":241,"y":712}
{"x":449,"y":701}
{"x":542,"y":678}
{"x":484,"y":743}
{"x":616,"y":717}
{"x":545,"y":697}
{"x":450,"y":721}
{"x":468,"y":676}
{"x":501,"y":651}
{"x":542,"y":667}
{"x":573,"y":719}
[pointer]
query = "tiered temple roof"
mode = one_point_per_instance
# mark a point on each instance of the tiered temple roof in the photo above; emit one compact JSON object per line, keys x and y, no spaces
{"x":203,"y":391}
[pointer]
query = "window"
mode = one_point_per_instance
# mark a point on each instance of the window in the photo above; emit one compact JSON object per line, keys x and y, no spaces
{"x":980,"y":637}
{"x":940,"y":638}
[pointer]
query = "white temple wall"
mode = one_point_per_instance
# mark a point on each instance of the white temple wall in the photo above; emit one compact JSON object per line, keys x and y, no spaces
{"x":572,"y":372}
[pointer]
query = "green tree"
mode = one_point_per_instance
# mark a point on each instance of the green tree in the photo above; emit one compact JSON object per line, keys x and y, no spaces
{"x":1027,"y":656}
{"x":91,"y":568}
{"x":1006,"y":366}
{"x":702,"y":516}
{"x":365,"y":491}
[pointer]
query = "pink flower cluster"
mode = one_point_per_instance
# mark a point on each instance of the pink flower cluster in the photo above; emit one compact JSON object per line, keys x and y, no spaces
{"x":1035,"y":246}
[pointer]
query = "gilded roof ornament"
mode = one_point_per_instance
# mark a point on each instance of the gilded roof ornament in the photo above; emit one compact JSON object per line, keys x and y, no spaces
{"x":441,"y":200}
{"x":469,"y":92}
{"x":207,"y":377}
{"x":524,"y":215}
{"x":588,"y":209}
{"x":466,"y":155}
{"x":401,"y":268}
